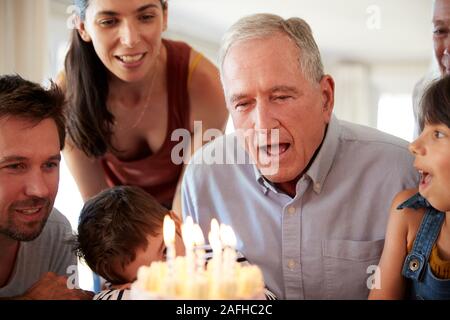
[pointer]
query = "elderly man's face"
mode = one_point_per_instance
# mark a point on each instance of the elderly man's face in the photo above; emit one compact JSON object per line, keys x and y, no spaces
{"x":29,"y":174}
{"x":441,"y":34}
{"x":266,"y":90}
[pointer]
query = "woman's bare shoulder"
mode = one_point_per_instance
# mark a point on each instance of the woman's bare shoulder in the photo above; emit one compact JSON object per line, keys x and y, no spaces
{"x":206,"y":93}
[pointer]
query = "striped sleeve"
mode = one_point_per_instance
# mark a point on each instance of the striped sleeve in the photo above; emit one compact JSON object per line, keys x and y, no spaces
{"x":116,"y":294}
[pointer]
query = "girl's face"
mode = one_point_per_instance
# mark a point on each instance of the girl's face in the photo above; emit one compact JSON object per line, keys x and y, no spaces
{"x":126,"y":35}
{"x":432,"y":152}
{"x":155,"y":251}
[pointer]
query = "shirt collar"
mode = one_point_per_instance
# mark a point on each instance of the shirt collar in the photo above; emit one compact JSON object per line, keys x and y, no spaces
{"x":262,"y":181}
{"x":319,"y":169}
{"x":321,"y":165}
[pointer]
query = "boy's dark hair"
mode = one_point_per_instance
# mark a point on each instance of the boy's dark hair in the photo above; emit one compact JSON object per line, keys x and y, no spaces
{"x":435,"y":103}
{"x":113,"y":224}
{"x":28,"y":100}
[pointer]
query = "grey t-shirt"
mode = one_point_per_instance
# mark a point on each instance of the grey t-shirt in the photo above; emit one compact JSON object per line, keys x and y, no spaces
{"x":50,"y":252}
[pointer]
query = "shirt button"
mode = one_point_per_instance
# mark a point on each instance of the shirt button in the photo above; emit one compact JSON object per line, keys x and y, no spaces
{"x":291,"y":264}
{"x":291,"y":210}
{"x":317,"y":187}
{"x":414,"y":265}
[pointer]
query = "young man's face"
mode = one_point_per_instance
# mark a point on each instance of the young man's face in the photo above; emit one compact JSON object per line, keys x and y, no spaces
{"x":29,"y":175}
{"x":155,"y":251}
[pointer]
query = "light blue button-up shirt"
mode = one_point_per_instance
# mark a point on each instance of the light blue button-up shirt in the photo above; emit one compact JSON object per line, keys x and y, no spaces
{"x":319,"y":244}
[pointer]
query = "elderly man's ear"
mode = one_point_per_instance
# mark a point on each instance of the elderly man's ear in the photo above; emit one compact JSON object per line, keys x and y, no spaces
{"x":327,"y":88}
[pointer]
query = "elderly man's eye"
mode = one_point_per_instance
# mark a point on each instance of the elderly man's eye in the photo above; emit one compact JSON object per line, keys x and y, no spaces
{"x":440,"y":31}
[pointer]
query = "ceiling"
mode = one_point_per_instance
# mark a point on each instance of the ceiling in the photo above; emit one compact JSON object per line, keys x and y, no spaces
{"x":353,"y":30}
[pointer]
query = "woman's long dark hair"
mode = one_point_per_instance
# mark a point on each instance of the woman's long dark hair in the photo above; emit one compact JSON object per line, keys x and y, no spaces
{"x":89,"y":122}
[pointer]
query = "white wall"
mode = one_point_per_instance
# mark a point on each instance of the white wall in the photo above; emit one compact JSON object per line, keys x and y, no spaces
{"x":23,"y":38}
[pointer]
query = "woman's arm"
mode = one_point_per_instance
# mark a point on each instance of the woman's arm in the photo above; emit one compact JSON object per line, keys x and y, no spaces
{"x":87,"y":172}
{"x":207,"y":105}
{"x":392,"y":284}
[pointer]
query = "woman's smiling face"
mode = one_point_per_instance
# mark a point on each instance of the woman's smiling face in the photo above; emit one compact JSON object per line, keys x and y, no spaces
{"x":126,"y":35}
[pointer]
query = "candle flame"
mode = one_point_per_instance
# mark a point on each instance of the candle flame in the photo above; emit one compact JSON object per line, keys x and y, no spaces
{"x":214,"y":226}
{"x":187,"y":232}
{"x":227,"y":236}
{"x":199,"y":239}
{"x":168,"y":230}
{"x":214,"y":241}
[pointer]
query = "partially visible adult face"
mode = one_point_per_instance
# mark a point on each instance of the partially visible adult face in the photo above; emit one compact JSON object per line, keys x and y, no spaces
{"x":126,"y":35}
{"x":266,"y":90}
{"x":441,"y":34}
{"x":29,"y":175}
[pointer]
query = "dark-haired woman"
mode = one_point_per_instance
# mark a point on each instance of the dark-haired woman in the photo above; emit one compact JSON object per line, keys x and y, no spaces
{"x":128,"y":90}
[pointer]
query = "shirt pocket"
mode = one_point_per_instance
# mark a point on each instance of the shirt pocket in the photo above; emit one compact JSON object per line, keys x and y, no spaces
{"x":346,"y":264}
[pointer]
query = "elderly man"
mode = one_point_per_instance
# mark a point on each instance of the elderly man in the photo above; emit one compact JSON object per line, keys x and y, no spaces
{"x":34,"y":253}
{"x":441,"y":41}
{"x":311,"y":206}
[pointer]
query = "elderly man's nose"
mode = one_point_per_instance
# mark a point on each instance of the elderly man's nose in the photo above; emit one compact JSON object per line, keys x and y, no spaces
{"x":264,"y":119}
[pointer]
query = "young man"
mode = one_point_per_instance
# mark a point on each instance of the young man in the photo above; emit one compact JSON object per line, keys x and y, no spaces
{"x":35,"y":254}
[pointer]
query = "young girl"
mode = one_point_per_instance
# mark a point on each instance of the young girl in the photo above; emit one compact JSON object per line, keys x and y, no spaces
{"x":128,"y":90}
{"x":416,"y":259}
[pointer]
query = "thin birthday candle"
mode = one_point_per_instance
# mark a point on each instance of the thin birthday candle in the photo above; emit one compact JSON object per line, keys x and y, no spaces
{"x":229,"y":256}
{"x":169,"y":241}
{"x":187,"y":231}
{"x":199,"y":240}
{"x":216,"y":245}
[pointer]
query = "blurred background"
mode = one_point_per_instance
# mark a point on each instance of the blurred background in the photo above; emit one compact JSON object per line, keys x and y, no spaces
{"x":376,"y":50}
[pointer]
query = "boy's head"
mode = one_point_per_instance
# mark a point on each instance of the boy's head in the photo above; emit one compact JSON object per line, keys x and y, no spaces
{"x":121,"y":229}
{"x":435,"y":103}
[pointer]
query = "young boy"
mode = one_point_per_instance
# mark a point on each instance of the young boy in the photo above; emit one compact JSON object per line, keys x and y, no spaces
{"x":120,"y":229}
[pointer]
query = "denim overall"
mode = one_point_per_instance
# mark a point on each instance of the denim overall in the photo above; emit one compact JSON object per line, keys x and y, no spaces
{"x":424,"y":284}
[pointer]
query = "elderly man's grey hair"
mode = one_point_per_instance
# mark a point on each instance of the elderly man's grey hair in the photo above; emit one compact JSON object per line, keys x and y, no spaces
{"x":264,"y":25}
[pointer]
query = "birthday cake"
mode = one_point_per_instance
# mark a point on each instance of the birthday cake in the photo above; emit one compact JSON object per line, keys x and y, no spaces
{"x":192,"y":276}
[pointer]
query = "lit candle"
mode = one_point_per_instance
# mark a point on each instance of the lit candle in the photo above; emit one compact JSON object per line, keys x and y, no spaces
{"x":187,"y":231}
{"x":216,"y":245}
{"x":169,"y":241}
{"x":229,"y":255}
{"x":199,"y":241}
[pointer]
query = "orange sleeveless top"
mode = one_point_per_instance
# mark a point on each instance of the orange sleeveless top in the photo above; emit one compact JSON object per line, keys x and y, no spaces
{"x":156,"y":173}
